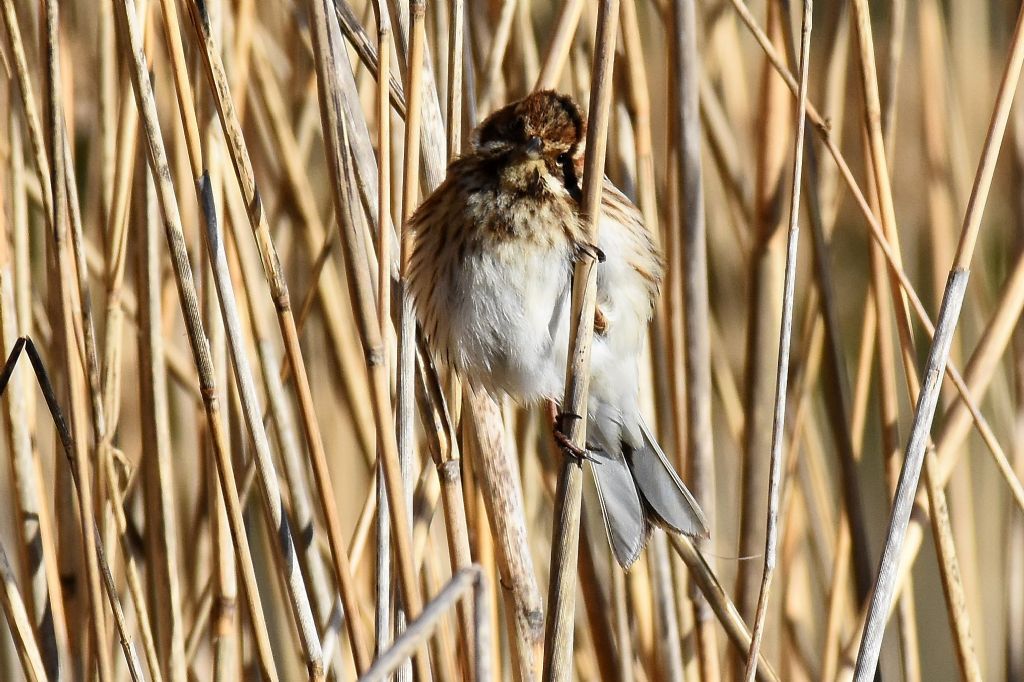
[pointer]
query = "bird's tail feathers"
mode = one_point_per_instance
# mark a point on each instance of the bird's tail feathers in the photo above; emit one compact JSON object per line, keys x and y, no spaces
{"x":637,"y":488}
{"x":666,"y":497}
{"x":624,"y":519}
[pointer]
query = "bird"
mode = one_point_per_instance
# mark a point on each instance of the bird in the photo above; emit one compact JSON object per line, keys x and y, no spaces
{"x":490,"y":271}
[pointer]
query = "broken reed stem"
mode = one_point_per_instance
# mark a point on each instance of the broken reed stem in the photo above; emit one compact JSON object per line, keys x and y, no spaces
{"x":924,"y":412}
{"x":565,"y":542}
{"x":785,"y":337}
{"x":67,"y":441}
{"x":34,"y":524}
{"x":420,"y":629}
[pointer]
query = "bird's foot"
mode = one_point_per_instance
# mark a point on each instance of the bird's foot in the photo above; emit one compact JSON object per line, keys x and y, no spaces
{"x":564,"y":442}
{"x":594,"y":251}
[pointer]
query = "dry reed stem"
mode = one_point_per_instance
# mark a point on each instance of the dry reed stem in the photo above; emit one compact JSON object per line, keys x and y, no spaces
{"x":565,"y":542}
{"x":627,"y":632}
{"x":1014,"y":617}
{"x":836,"y":599}
{"x":719,"y":601}
{"x":419,"y":629}
{"x":503,"y":490}
{"x":775,"y":480}
{"x":432,"y":147}
{"x":61,"y":277}
{"x":28,"y":104}
{"x":821,"y":125}
{"x":949,"y":569}
{"x":106,"y":393}
{"x":67,"y":440}
{"x":612,"y":648}
{"x":449,"y":466}
{"x":502,"y":498}
{"x":695,"y":303}
{"x":764,"y":312}
{"x":283,"y":419}
{"x":881,"y":194}
{"x":937,"y":358}
{"x":279,"y":293}
{"x":252,"y":414}
{"x":327,"y":281}
{"x":837,"y":401}
{"x":496,"y":54}
{"x":18,"y":621}
{"x":723,"y":147}
{"x":880,"y":176}
{"x":35,"y":527}
{"x":128,"y":35}
{"x":669,"y":624}
{"x":161,"y":525}
{"x":382,"y":575}
{"x":561,"y":43}
{"x":406,"y":325}
{"x":456,"y":65}
{"x":369,"y":56}
{"x":889,"y":407}
{"x":327,"y":45}
{"x":444,"y":453}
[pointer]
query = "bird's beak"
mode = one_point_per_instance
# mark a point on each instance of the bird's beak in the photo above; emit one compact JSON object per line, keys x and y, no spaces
{"x":534,"y":147}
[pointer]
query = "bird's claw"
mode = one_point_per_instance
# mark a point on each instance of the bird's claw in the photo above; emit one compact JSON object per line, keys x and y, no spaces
{"x":564,"y":442}
{"x":594,"y":251}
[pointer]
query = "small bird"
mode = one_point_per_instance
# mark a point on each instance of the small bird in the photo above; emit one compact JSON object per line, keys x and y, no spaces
{"x":490,"y":274}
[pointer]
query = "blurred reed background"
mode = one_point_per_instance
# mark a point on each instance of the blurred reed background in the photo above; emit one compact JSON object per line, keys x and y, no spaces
{"x":194,"y":198}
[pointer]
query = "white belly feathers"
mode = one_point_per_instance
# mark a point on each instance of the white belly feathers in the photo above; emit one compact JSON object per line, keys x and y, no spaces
{"x":509,"y":319}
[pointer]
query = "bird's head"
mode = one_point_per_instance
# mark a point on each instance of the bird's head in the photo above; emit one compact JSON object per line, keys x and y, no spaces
{"x":545,"y":129}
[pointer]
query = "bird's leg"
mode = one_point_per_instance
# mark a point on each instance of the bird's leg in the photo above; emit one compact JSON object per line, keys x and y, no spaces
{"x":562,"y":440}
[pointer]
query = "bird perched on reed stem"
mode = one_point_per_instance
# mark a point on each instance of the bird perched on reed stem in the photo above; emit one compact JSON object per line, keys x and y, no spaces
{"x":491,"y":276}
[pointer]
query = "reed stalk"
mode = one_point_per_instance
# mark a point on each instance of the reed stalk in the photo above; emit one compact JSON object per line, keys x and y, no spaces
{"x":867,"y":659}
{"x":565,"y":542}
{"x":281,"y":149}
